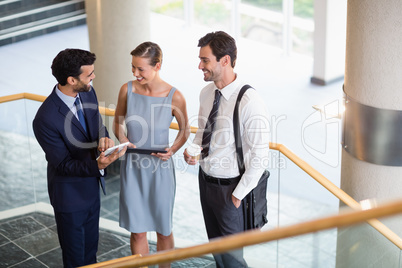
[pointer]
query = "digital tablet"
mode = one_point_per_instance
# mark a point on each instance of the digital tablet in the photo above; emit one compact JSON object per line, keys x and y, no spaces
{"x":112,"y":149}
{"x":144,"y":151}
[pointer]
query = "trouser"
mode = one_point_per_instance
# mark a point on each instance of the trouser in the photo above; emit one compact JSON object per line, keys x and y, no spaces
{"x":78,"y":236}
{"x":221,"y":217}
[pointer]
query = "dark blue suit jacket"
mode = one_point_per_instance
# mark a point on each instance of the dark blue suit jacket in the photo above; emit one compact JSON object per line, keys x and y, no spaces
{"x":72,"y":173}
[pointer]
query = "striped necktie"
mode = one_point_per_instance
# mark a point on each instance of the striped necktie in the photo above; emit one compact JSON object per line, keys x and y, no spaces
{"x":80,"y":113}
{"x":210,"y":125}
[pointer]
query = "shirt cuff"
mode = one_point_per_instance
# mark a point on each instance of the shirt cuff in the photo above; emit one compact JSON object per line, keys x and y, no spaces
{"x":102,"y":172}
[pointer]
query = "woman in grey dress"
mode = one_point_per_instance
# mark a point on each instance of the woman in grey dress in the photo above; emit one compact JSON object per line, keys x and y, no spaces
{"x":146,"y":107}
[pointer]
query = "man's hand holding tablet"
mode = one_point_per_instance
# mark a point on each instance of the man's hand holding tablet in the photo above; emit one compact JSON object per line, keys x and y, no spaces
{"x":114,"y":148}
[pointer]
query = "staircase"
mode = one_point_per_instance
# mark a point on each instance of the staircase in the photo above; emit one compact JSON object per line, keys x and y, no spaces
{"x":24,"y":19}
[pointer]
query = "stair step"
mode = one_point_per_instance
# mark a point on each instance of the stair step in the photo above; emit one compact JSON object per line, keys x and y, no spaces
{"x":23,"y":19}
{"x":45,"y":28}
{"x":9,"y":7}
{"x":17,"y":21}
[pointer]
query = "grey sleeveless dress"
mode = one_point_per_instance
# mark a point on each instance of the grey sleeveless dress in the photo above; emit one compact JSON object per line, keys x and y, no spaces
{"x":148,"y":184}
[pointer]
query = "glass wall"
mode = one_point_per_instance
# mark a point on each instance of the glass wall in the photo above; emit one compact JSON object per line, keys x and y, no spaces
{"x":262,"y":21}
{"x":215,"y":14}
{"x":284,"y":24}
{"x":173,"y":9}
{"x":303,"y":27}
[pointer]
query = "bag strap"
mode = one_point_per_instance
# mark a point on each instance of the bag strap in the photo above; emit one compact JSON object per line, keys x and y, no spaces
{"x":236,"y":130}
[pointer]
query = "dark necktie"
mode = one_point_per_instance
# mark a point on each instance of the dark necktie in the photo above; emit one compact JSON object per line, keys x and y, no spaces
{"x":80,"y":114}
{"x":209,"y":127}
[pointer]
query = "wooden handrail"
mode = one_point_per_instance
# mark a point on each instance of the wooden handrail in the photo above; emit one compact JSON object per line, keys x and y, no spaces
{"x":21,"y":96}
{"x":103,"y":110}
{"x":339,"y":193}
{"x":254,"y":237}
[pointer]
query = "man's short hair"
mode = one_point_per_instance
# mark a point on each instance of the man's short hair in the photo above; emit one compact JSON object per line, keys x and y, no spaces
{"x":221,"y":45}
{"x":68,"y":63}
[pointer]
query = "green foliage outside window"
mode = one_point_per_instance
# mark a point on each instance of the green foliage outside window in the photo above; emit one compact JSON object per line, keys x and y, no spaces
{"x":169,"y":8}
{"x":210,"y":12}
{"x":205,"y":11}
{"x":302,"y":8}
{"x":216,"y":13}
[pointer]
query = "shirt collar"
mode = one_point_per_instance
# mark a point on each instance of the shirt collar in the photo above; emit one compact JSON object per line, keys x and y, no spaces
{"x":231,"y":88}
{"x":68,"y":100}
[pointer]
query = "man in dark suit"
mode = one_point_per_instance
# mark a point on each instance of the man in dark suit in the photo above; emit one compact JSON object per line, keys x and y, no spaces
{"x":70,"y":131}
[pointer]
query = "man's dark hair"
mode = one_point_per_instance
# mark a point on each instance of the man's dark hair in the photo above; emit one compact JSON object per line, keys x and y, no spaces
{"x":221,"y":44}
{"x":68,"y":63}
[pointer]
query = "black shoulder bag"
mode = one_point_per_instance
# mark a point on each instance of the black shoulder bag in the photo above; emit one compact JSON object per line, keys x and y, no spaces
{"x":255,"y":202}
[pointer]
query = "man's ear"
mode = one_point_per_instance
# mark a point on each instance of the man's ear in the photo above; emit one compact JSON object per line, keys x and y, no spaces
{"x":71,"y":80}
{"x":226,"y":60}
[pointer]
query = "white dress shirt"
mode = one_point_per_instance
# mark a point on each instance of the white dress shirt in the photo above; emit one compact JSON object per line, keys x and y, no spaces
{"x":254,"y":129}
{"x":69,"y":101}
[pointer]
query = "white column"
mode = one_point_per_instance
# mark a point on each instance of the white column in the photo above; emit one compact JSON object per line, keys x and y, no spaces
{"x":373,"y":77}
{"x":287,"y":27}
{"x":189,"y":12}
{"x":329,"y":41}
{"x":115,"y":29}
{"x":236,"y":19}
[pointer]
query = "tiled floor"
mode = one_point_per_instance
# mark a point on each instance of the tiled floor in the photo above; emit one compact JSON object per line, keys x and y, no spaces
{"x":31,"y":241}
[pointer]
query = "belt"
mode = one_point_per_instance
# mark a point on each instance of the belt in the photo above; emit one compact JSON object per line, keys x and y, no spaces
{"x":226,"y":181}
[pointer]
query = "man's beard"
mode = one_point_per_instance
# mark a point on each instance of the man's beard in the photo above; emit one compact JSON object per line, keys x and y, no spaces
{"x":82,"y":88}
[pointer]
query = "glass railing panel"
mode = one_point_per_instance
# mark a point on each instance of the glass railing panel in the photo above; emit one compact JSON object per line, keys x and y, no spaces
{"x":293,"y":252}
{"x":301,"y":199}
{"x":188,"y":222}
{"x":267,"y":253}
{"x":356,"y":246}
{"x":37,"y":156}
{"x":16,"y":181}
{"x":400,"y":259}
{"x":310,"y":250}
{"x":110,"y":201}
{"x":363,"y":246}
{"x":203,"y":261}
